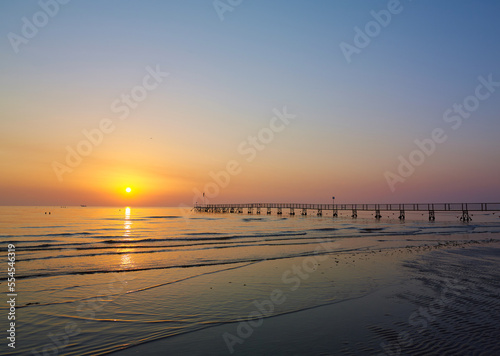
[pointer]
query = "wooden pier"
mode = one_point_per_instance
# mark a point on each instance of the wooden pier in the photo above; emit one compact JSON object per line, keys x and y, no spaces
{"x":303,"y":209}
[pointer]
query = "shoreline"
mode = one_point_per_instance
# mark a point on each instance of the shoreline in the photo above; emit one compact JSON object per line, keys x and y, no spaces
{"x":361,"y":316}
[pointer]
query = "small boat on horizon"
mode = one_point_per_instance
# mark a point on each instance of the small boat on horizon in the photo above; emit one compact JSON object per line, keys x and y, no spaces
{"x":83,"y":206}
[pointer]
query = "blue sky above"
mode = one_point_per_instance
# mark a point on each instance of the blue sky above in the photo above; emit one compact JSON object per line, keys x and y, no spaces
{"x":227,"y":76}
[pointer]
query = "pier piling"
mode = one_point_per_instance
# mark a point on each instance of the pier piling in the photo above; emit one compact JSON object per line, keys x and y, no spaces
{"x":464,"y":208}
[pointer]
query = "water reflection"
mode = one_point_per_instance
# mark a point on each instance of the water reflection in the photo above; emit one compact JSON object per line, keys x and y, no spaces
{"x":127,"y":223}
{"x":126,"y":259}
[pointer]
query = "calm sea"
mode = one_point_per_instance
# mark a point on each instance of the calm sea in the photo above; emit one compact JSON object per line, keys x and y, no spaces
{"x":95,"y":280}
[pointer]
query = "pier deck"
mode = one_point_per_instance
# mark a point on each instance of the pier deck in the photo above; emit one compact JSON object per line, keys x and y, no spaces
{"x":431,"y":208}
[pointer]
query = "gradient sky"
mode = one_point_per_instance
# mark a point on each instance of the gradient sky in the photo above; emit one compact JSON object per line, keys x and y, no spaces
{"x":226,"y":78}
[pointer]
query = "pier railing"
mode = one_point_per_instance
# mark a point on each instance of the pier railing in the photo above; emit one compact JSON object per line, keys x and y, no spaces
{"x":431,"y":208}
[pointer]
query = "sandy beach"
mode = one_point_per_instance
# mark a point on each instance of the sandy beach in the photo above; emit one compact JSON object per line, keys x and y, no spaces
{"x":434,"y":300}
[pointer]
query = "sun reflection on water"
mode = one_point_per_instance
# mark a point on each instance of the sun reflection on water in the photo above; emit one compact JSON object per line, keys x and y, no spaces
{"x":127,"y":224}
{"x":126,"y":258}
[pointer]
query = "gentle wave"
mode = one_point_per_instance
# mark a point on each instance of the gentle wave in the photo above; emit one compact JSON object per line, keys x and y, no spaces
{"x":160,"y":249}
{"x":187,"y":265}
{"x":61,"y":234}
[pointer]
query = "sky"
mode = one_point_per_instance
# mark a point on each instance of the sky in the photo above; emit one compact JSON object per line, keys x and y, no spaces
{"x":249,"y":101}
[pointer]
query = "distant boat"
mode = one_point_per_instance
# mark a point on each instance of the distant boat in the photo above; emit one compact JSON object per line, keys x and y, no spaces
{"x":83,"y":206}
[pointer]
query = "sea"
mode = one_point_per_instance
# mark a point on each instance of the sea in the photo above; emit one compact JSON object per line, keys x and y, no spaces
{"x":100,"y":280}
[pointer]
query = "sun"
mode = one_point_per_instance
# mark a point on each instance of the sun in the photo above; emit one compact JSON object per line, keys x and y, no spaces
{"x":128,"y":189}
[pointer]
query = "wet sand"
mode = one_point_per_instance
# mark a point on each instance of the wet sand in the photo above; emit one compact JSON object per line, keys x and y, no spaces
{"x":429,"y":300}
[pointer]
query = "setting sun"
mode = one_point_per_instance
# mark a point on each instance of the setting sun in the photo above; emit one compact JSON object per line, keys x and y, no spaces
{"x":128,"y":189}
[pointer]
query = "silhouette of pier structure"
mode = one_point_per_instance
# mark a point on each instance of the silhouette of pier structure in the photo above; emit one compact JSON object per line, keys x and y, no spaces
{"x":464,"y":208}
